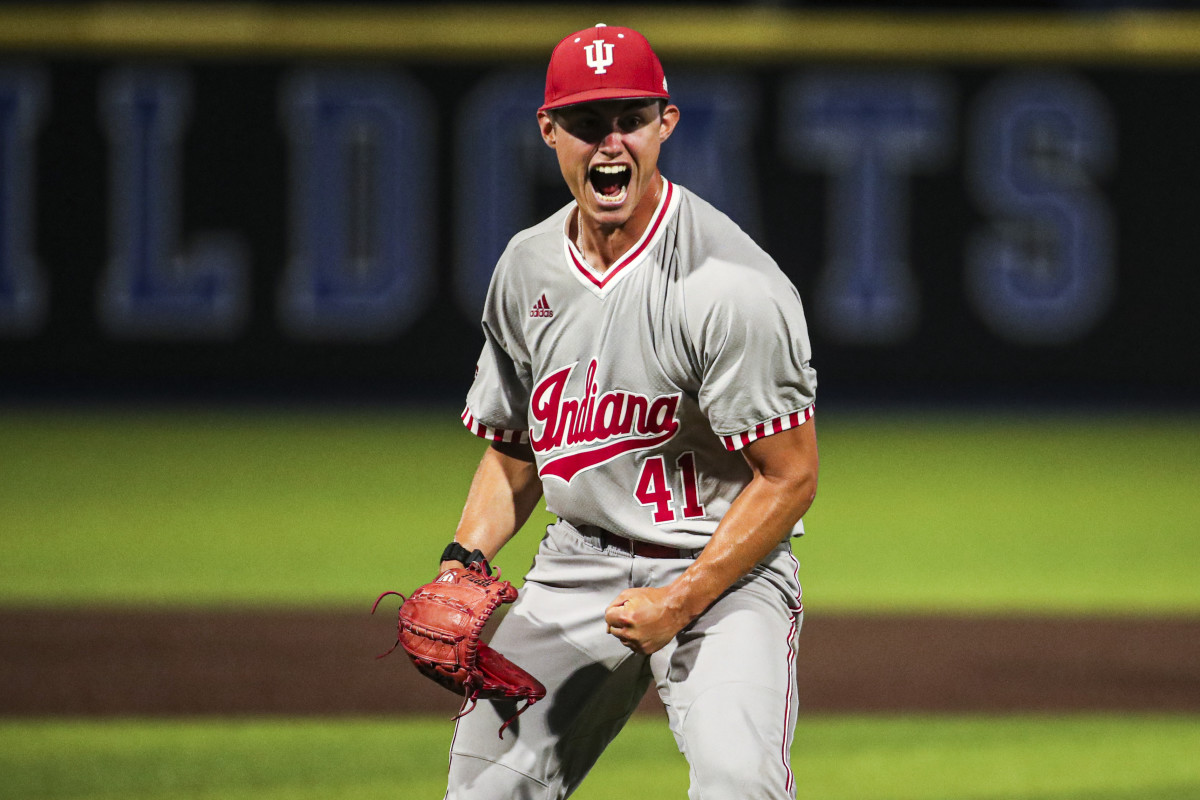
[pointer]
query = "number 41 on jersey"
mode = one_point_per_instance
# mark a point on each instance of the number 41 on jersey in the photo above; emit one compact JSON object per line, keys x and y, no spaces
{"x":654,"y":490}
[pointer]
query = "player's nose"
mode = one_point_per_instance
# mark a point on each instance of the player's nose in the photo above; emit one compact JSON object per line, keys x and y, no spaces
{"x":612,"y":141}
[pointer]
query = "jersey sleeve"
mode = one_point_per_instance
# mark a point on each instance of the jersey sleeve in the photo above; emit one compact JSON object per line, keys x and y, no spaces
{"x":498,"y":399}
{"x":754,"y":353}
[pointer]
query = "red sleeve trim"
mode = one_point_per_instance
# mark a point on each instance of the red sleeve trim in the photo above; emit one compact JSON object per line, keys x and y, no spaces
{"x":794,"y":420}
{"x":492,"y":434}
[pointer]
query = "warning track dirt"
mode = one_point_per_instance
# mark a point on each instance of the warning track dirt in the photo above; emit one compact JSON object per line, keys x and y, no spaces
{"x":118,"y":662}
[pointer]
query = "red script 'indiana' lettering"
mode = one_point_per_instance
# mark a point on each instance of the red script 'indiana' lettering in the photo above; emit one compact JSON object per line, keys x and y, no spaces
{"x":615,"y":422}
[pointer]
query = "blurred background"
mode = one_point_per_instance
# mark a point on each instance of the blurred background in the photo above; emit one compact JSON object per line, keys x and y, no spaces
{"x":243,"y":252}
{"x":981,"y":203}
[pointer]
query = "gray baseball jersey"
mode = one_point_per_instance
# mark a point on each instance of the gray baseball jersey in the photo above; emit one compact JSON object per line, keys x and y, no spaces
{"x":637,"y":386}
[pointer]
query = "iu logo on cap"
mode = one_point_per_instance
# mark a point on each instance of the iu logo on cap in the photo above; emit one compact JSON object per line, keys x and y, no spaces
{"x":599,"y":56}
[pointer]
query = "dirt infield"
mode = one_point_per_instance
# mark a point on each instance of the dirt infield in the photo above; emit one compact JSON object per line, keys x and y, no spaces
{"x":96,"y":662}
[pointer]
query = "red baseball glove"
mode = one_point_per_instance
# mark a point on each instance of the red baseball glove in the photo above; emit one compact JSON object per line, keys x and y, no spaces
{"x":440,"y":624}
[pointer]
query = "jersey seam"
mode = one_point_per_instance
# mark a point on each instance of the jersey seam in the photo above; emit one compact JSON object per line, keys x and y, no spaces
{"x":498,"y":763}
{"x":693,"y":350}
{"x":724,"y":684}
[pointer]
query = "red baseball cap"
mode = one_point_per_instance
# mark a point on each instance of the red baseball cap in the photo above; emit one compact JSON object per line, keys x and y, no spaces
{"x":603,"y":62}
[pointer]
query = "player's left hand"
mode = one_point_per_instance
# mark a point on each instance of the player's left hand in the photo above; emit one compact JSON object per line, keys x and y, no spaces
{"x":645,"y":620}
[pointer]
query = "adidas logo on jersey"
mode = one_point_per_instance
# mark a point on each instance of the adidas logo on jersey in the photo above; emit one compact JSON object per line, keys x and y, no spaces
{"x":541,"y":308}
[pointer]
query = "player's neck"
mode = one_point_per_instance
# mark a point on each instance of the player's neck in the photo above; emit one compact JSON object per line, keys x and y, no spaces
{"x":602,"y":245}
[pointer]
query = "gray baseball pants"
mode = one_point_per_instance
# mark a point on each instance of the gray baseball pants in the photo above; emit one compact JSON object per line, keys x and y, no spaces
{"x":728,"y":680}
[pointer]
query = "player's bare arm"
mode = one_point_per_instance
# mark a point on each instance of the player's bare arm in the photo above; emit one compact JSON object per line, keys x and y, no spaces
{"x":503,"y":493}
{"x":784,"y":485}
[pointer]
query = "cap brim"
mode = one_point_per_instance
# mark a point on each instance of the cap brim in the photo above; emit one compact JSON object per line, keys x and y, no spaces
{"x":592,"y":95}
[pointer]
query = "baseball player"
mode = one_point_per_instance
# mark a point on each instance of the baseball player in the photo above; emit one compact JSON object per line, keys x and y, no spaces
{"x":646,"y":370}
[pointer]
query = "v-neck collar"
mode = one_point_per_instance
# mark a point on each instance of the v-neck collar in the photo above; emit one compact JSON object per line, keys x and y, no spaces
{"x":601,"y":283}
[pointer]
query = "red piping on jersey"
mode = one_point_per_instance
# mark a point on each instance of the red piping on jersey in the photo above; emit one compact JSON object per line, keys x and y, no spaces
{"x":797,"y":610}
{"x":737,"y":441}
{"x":631,"y":256}
{"x":787,"y":712}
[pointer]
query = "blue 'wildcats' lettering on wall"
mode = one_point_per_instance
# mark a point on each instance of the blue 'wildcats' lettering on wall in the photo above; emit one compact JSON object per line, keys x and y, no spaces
{"x":500,"y":159}
{"x":1044,"y":272}
{"x":868,"y":132}
{"x":363,"y":200}
{"x":151,"y":289}
{"x":22,"y":290}
{"x":711,"y":151}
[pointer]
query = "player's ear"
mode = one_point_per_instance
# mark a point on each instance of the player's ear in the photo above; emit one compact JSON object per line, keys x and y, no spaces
{"x":667,"y":122}
{"x":546,"y":124}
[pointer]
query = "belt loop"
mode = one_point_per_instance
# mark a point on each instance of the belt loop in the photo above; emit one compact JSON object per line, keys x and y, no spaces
{"x":596,"y":537}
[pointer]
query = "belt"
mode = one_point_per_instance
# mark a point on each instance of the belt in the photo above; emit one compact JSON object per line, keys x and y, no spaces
{"x":643,"y":549}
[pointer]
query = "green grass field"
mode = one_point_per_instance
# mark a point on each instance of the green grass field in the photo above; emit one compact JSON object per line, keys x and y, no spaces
{"x":1086,"y":757}
{"x":953,"y":513}
{"x":914,"y":512}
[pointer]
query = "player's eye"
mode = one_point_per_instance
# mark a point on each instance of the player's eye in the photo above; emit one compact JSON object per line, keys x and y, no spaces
{"x":585,"y":126}
{"x":632,"y":122}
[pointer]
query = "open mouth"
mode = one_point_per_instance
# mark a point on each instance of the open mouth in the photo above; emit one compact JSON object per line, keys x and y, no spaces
{"x":610,"y":182}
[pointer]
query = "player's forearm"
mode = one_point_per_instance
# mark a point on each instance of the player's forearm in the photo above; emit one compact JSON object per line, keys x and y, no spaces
{"x":504,"y":492}
{"x":763,"y":515}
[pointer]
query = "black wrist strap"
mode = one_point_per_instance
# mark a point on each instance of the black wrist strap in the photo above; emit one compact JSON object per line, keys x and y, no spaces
{"x":456,"y":552}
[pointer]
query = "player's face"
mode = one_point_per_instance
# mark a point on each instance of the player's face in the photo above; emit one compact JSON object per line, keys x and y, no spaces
{"x":608,"y":153}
